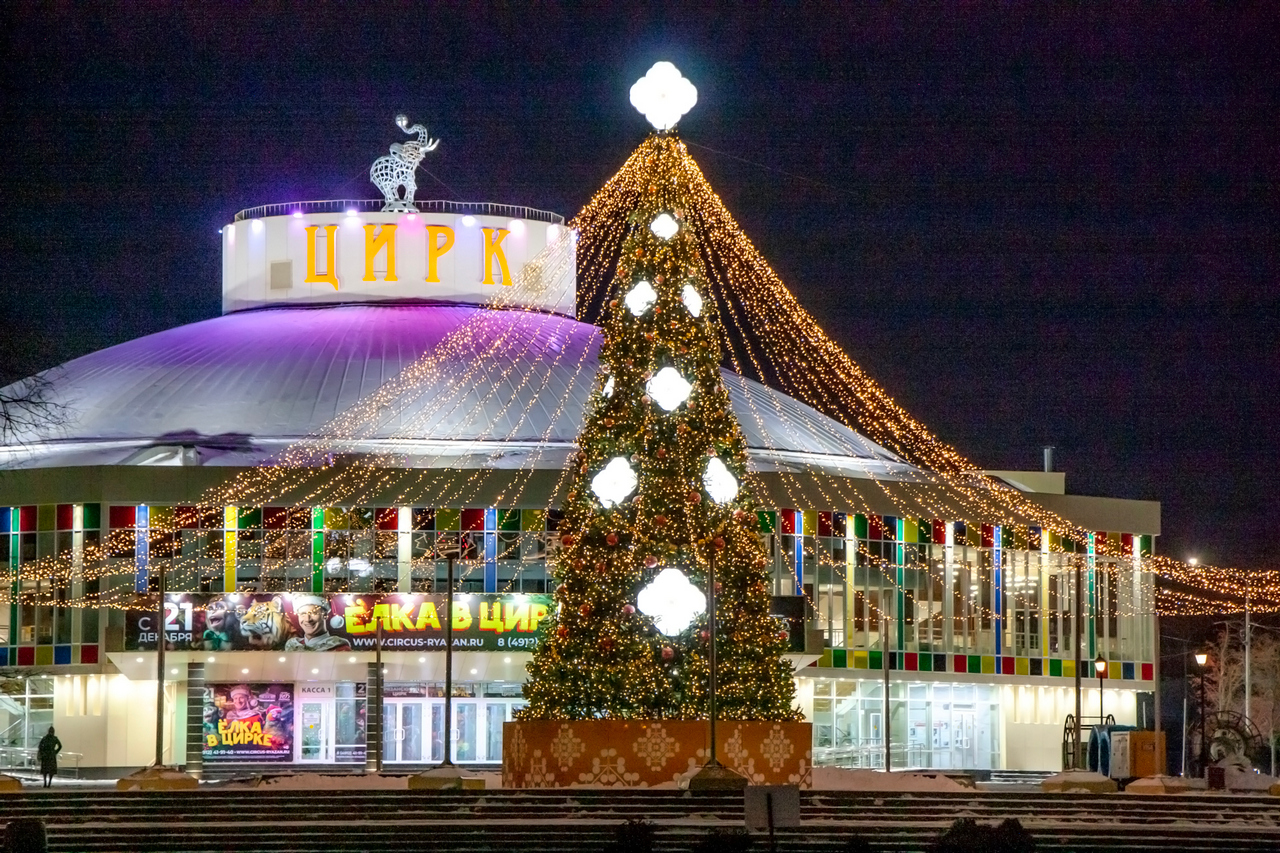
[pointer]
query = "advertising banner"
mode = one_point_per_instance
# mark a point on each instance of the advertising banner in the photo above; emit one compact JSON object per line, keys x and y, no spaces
{"x":248,"y":722}
{"x":340,"y":622}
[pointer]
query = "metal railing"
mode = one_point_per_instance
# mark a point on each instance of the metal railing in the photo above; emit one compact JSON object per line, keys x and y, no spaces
{"x":482,"y":208}
{"x":26,"y":759}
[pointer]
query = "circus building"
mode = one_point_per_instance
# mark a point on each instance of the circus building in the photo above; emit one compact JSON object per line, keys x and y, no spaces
{"x":393,"y":392}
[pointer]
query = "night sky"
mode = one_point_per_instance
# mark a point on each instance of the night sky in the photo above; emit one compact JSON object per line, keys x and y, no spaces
{"x":1032,"y":227}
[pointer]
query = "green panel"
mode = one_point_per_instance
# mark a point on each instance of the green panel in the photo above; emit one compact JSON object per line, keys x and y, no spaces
{"x":767,"y":522}
{"x":1007,"y":536}
{"x":448,"y":518}
{"x":1055,"y":668}
{"x":1146,"y":549}
{"x":925,"y":662}
{"x":926,"y":530}
{"x":92,"y":516}
{"x":533,"y":519}
{"x":975,"y":663}
{"x":46,"y":517}
{"x":839,"y":659}
{"x":508,"y":519}
{"x":860,"y":526}
{"x":317,"y":549}
{"x":875,"y":660}
{"x":250,"y":518}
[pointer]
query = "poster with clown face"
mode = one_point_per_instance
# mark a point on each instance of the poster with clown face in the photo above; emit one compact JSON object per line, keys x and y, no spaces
{"x":248,"y":722}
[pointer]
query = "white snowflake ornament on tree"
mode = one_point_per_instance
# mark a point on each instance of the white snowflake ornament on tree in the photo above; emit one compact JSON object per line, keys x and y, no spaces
{"x":663,"y":95}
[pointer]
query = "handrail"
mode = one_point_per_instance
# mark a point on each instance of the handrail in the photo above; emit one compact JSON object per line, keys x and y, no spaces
{"x":481,"y":208}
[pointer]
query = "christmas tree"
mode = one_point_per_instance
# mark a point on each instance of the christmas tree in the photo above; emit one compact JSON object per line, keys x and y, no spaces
{"x":656,"y":501}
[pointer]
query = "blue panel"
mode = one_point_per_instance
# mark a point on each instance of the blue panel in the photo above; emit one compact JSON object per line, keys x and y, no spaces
{"x":1127,"y":671}
{"x":5,"y":514}
{"x":490,"y":558}
{"x":4,"y":655}
{"x":61,"y":655}
{"x":491,"y":519}
{"x":141,"y":575}
{"x":799,"y":560}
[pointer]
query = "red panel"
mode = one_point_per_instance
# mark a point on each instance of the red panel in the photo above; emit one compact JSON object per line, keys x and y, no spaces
{"x":89,"y":654}
{"x":274,"y":517}
{"x":874,"y":529}
{"x":939,"y":531}
{"x":1126,"y":544}
{"x":26,"y":519}
{"x":388,"y":518}
{"x":472,"y":519}
{"x":1148,"y":672}
{"x":122,"y":516}
{"x":789,"y":521}
{"x":27,"y":656}
{"x":962,"y":664}
{"x":913,"y":661}
{"x":66,"y":516}
{"x":1006,"y":666}
{"x":988,"y":536}
{"x":188,"y":517}
{"x":824,"y":524}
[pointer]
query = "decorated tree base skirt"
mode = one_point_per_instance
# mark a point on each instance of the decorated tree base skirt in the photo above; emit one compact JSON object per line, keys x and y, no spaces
{"x":648,"y":753}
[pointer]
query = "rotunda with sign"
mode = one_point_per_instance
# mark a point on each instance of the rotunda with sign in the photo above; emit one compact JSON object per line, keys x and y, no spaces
{"x":392,"y":383}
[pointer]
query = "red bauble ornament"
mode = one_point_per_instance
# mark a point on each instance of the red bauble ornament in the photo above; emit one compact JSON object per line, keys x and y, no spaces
{"x":612,"y":539}
{"x":613,"y":303}
{"x":602,"y":566}
{"x":648,"y":336}
{"x":704,"y":636}
{"x":650,"y":562}
{"x":645,"y":399}
{"x":662,"y":453}
{"x":657,"y":279}
{"x":695,"y":497}
{"x":660,"y":520}
{"x":562,"y":632}
{"x":657,"y":310}
{"x":717,"y":587}
{"x":719,"y":543}
{"x":628,"y":609}
{"x":585,"y":610}
{"x":606,"y":645}
{"x":668,"y":653}
{"x":738,"y":515}
{"x":566,"y":540}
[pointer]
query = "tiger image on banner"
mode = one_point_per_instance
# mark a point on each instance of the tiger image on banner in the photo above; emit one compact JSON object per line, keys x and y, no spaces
{"x":266,"y":626}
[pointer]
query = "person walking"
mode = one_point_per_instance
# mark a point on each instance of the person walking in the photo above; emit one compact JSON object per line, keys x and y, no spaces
{"x":48,"y":751}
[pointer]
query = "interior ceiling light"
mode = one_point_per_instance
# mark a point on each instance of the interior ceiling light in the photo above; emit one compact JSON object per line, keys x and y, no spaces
{"x":640,"y":298}
{"x":721,"y":485}
{"x":671,"y":601}
{"x":669,"y":388}
{"x":614,"y":482}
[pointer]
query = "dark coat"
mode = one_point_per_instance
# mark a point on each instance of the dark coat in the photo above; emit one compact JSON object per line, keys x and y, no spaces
{"x":48,"y":751}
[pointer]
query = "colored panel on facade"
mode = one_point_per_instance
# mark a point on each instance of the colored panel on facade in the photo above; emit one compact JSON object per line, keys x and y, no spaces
{"x":1007,"y":666}
{"x":926,"y":663}
{"x":912,"y":661}
{"x":509,"y":520}
{"x":861,"y":660}
{"x":27,"y":656}
{"x":448,"y":518}
{"x":61,"y":655}
{"x":1148,"y":672}
{"x":825,"y":525}
{"x":1035,"y":666}
{"x":861,"y":526}
{"x":1147,"y":548}
{"x":44,"y":656}
{"x":1035,"y":539}
{"x":939,"y":663}
{"x":939,"y":531}
{"x":910,"y":530}
{"x":988,"y":536}
{"x":767,"y":522}
{"x":92,"y":516}
{"x":1126,"y":671}
{"x":839,"y":524}
{"x":335,"y":518}
{"x":1055,"y":668}
{"x":27,"y":519}
{"x":789,"y":521}
{"x":532,"y":520}
{"x":875,"y":528}
{"x":1068,"y":668}
{"x":989,"y":664}
{"x":121,"y":516}
{"x":1126,"y":544}
{"x":839,"y":659}
{"x":249,"y":518}
{"x":824,"y":660}
{"x":4,"y":655}
{"x":875,"y":660}
{"x":961,"y":663}
{"x":810,"y":520}
{"x":89,"y":653}
{"x":274,"y":517}
{"x":6,"y":514}
{"x":386,"y":518}
{"x":472,"y":519}
{"x":65,"y":516}
{"x":889,"y":527}
{"x":1116,"y":670}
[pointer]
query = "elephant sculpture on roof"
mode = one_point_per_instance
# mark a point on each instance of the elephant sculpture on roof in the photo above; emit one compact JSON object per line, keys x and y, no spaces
{"x":392,"y":171}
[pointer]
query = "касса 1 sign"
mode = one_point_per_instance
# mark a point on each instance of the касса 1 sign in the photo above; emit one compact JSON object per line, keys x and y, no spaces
{"x":340,"y":622}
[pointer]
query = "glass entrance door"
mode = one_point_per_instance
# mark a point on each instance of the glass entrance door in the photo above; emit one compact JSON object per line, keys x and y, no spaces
{"x":316,"y":742}
{"x":403,"y":729}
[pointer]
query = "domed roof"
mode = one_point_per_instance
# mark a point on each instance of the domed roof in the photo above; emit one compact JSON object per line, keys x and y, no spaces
{"x":500,"y":388}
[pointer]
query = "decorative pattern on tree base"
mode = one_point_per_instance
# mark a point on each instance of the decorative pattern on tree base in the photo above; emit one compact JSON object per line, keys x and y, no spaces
{"x":648,"y":753}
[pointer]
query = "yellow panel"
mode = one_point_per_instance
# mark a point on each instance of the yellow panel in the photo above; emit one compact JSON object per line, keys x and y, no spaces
{"x":1022,"y":666}
{"x":810,"y":522}
{"x":1068,"y":669}
{"x":988,"y":665}
{"x":44,"y":655}
{"x":231,"y":521}
{"x":1115,"y":670}
{"x":859,"y":660}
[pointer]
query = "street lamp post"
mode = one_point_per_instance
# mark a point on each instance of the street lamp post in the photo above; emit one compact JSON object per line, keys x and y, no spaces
{"x":1202,"y":658}
{"x":1100,"y":666}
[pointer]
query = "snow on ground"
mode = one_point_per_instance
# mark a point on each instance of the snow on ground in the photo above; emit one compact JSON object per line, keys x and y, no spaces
{"x":842,"y":779}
